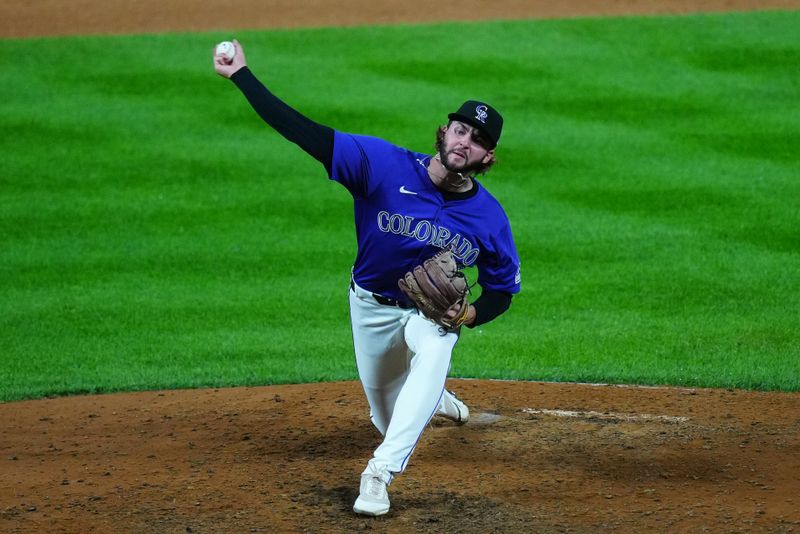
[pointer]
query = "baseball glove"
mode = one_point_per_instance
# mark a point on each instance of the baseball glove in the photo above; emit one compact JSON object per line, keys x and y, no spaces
{"x":439,"y":290}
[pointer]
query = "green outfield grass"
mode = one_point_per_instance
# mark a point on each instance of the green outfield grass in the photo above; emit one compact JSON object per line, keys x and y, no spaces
{"x":155,"y":234}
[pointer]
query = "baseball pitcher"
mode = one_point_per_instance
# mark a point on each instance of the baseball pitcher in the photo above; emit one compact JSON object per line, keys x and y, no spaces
{"x":419,"y":220}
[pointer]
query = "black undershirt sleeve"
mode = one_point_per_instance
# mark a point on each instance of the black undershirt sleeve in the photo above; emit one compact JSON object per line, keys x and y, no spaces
{"x":490,"y":305}
{"x":316,"y":139}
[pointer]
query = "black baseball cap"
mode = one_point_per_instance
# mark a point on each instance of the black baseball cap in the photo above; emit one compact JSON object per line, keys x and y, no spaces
{"x":481,"y":116}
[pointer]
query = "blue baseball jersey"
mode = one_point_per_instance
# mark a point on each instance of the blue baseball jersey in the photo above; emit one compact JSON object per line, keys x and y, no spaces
{"x":402,"y":219}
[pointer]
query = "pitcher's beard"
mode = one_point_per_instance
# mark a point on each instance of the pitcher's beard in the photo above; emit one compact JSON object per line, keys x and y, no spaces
{"x":464,"y":170}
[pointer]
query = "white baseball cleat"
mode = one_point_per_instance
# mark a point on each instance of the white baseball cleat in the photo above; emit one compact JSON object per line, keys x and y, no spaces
{"x":453,"y":408}
{"x":373,"y":498}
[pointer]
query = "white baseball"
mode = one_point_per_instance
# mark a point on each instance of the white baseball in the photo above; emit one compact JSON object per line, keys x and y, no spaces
{"x":226,"y":50}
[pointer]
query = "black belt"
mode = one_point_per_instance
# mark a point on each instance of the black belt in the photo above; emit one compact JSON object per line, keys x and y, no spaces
{"x":386,"y":301}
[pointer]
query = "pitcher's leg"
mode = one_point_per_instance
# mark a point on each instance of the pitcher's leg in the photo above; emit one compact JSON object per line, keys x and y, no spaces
{"x":381,"y":354}
{"x":382,"y":383}
{"x":419,"y":397}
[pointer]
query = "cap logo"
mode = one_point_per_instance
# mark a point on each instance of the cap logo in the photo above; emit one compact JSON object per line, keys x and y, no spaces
{"x":481,"y":113}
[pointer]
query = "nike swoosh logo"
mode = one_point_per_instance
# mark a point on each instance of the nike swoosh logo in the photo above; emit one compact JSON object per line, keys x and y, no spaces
{"x":406,"y":191}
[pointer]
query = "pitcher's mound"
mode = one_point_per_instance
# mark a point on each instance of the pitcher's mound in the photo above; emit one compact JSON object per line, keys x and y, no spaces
{"x":534,"y":458}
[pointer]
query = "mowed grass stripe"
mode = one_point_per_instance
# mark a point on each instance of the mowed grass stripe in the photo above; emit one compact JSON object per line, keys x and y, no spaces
{"x":156,"y":234}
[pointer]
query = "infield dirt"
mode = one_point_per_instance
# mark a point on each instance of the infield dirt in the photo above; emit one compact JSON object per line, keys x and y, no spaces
{"x":21,"y":18}
{"x":534,"y":458}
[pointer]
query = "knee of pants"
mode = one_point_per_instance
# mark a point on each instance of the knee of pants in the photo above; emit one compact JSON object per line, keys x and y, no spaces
{"x":379,"y":424}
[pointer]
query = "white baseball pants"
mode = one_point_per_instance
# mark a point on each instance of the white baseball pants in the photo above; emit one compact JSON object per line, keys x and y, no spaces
{"x":403,"y":360}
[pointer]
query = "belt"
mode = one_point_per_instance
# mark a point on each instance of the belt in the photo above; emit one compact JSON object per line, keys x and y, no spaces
{"x":380,"y":299}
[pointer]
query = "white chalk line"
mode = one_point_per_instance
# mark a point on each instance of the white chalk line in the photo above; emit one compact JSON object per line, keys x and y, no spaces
{"x":607,"y":415}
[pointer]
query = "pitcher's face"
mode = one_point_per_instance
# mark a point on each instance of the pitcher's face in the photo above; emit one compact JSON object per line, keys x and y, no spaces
{"x":464,"y":148}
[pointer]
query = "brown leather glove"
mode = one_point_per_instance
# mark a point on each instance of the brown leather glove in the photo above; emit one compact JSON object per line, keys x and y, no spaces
{"x":439,"y":290}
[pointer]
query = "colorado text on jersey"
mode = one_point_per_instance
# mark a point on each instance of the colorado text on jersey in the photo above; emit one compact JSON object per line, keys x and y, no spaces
{"x":425,"y":231}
